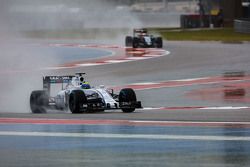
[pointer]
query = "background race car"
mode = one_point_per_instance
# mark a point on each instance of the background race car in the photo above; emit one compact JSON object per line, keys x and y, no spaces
{"x":141,"y":39}
{"x":79,"y":97}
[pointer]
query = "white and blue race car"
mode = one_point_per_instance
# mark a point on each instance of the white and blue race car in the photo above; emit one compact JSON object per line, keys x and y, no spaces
{"x":77,"y":99}
{"x":141,"y":39}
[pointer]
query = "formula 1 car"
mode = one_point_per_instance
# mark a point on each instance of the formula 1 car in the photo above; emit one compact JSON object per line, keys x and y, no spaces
{"x":78,"y":99}
{"x":141,"y":39}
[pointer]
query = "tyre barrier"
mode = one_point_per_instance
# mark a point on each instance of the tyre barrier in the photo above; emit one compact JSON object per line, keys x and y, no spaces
{"x":242,"y":25}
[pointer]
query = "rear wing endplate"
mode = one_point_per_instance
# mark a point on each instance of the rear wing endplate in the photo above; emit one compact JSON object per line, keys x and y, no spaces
{"x":48,"y":80}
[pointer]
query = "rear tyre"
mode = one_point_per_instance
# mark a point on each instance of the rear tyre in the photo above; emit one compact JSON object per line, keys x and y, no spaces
{"x":158,"y":42}
{"x":127,"y":95}
{"x":77,"y":101}
{"x":39,"y":101}
{"x":129,"y":41}
{"x":136,"y":42}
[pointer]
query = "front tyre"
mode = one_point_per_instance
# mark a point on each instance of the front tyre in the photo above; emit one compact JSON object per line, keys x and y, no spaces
{"x":129,"y":41}
{"x":158,"y":42}
{"x":127,"y":97}
{"x":39,"y":100}
{"x":77,"y":102}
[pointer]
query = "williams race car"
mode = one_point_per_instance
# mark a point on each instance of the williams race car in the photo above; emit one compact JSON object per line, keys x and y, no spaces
{"x":141,"y":39}
{"x":79,"y":97}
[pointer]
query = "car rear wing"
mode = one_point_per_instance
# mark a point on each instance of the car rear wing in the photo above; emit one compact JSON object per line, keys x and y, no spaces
{"x":48,"y":80}
{"x":143,"y":30}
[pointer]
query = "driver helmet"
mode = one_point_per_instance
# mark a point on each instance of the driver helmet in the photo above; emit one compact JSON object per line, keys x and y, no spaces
{"x":85,"y":86}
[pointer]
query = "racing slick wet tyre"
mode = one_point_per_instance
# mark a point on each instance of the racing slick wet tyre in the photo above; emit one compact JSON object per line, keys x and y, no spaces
{"x":39,"y":100}
{"x":127,"y":95}
{"x":129,"y":41}
{"x":136,"y":42}
{"x":77,"y":100}
{"x":158,"y":42}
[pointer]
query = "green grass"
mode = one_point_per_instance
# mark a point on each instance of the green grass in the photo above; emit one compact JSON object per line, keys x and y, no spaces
{"x":224,"y":35}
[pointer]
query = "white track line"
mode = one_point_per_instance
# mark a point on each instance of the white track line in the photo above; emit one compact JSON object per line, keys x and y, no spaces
{"x":116,"y":61}
{"x":86,"y":64}
{"x":136,"y":58}
{"x":126,"y":136}
{"x":191,"y":79}
{"x":112,"y":61}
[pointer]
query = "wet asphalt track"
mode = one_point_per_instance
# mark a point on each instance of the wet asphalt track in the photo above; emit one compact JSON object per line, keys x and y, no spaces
{"x":198,"y":137}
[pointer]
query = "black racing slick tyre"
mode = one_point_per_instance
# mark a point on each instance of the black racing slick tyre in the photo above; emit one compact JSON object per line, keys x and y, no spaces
{"x":127,"y":95}
{"x":77,"y":102}
{"x":158,"y":42}
{"x":39,"y":101}
{"x":136,"y":42}
{"x":129,"y":41}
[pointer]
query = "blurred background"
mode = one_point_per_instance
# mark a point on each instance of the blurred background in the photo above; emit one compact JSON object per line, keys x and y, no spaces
{"x":36,"y":15}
